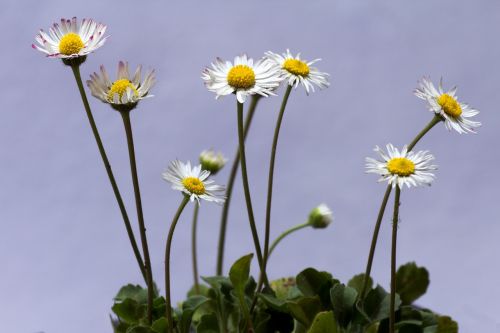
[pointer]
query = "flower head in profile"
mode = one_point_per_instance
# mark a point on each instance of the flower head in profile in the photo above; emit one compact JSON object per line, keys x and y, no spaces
{"x":296,"y":70}
{"x":320,"y":217}
{"x":243,"y":77}
{"x":125,"y":92}
{"x":456,"y":115}
{"x":212,"y":161}
{"x":194,"y":182}
{"x":69,"y":39}
{"x":402,"y":168}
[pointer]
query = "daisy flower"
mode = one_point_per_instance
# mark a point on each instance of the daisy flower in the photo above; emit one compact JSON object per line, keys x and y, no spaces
{"x":194,"y":182}
{"x":296,"y":70}
{"x":402,"y":168}
{"x":71,"y":39}
{"x":454,"y":113}
{"x":242,"y":78}
{"x":124,"y":93}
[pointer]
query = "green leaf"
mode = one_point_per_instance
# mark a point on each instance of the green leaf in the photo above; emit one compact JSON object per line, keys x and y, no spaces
{"x":305,"y":309}
{"x":446,"y":325}
{"x":188,"y":309}
{"x":239,"y":273}
{"x":274,"y":303}
{"x":135,"y":292}
{"x":208,"y":324}
{"x":357,"y":282}
{"x":312,"y":282}
{"x":411,"y":282}
{"x":129,"y":311}
{"x":160,"y":325}
{"x":377,"y":304}
{"x":139,"y":329}
{"x":342,"y":300}
{"x":324,"y":322}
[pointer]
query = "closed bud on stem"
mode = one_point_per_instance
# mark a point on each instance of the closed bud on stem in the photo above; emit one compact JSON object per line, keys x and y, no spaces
{"x":212,"y":161}
{"x":320,"y":217}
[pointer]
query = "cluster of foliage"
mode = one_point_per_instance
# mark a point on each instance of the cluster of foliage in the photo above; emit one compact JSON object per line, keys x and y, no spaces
{"x":312,"y":302}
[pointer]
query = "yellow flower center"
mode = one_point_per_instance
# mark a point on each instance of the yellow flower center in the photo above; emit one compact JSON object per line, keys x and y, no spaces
{"x":401,"y":166}
{"x":450,"y":105}
{"x":70,"y":44}
{"x":194,"y":185}
{"x":120,"y":87}
{"x":296,"y":67}
{"x":241,"y":77}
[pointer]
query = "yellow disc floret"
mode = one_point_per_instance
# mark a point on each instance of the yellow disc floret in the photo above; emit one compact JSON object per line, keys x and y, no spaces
{"x":120,"y":87}
{"x":194,"y":185}
{"x":241,"y":77}
{"x":450,"y":105}
{"x":70,"y":44}
{"x":401,"y":166}
{"x":296,"y":67}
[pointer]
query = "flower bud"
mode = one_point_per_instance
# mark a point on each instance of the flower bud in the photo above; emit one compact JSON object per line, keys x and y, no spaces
{"x":212,"y":161}
{"x":320,"y":217}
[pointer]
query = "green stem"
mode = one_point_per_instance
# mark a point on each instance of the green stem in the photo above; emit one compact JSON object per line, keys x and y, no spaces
{"x":246,"y":189}
{"x":140,"y":216}
{"x":436,"y":119}
{"x":395,"y":220}
{"x":116,"y":191}
{"x":286,"y":233}
{"x":193,"y":248}
{"x":168,"y":247}
{"x":271,"y":174}
{"x":229,"y":188}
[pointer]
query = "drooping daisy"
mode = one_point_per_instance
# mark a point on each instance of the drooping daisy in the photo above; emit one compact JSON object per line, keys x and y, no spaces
{"x":242,"y":78}
{"x":455,"y":114}
{"x":296,"y":70}
{"x":70,"y":39}
{"x":402,"y":168}
{"x":124,"y":93}
{"x":194,"y":182}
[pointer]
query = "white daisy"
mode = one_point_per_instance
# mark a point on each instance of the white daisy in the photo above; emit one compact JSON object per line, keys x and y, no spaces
{"x":455,"y":114}
{"x":400,"y":168}
{"x":70,"y":39}
{"x":242,"y":78}
{"x":193,"y":182}
{"x":126,"y":91}
{"x":296,"y":70}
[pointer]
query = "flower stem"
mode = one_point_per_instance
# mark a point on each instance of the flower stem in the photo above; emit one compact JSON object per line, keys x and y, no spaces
{"x":271,"y":174}
{"x":286,"y":233}
{"x":229,"y":188}
{"x":395,"y":220}
{"x":246,"y":189}
{"x":116,"y":191}
{"x":436,"y":119}
{"x":140,"y":215}
{"x":193,"y":248}
{"x":168,"y":247}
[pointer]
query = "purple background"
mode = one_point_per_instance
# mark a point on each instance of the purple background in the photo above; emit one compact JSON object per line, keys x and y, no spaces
{"x":63,"y":249}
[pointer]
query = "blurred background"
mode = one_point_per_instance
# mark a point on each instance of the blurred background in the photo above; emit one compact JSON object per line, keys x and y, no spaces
{"x":64,"y":251}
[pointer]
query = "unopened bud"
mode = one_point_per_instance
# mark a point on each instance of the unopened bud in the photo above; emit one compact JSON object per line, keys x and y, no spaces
{"x":320,"y":217}
{"x":212,"y":161}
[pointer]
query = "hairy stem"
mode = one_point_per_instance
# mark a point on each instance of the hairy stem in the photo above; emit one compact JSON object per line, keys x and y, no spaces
{"x":116,"y":191}
{"x":193,"y":248}
{"x":229,"y":187}
{"x":395,"y":220}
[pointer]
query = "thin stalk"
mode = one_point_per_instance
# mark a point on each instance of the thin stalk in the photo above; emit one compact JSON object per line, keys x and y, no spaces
{"x":116,"y":191}
{"x":271,"y":175}
{"x":436,"y":119}
{"x":229,"y":187}
{"x":140,"y":215}
{"x":395,"y":220}
{"x":246,"y":189}
{"x":168,"y":247}
{"x":286,"y":233}
{"x":193,"y":248}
